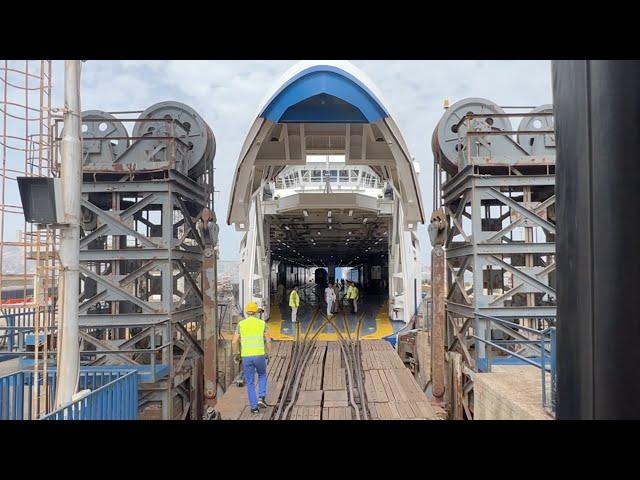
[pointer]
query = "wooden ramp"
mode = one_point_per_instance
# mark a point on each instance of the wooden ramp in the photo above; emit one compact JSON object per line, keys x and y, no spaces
{"x":391,"y":392}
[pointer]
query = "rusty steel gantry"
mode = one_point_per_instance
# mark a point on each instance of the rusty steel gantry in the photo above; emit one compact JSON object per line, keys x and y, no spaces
{"x":495,"y":217}
{"x":148,"y":253}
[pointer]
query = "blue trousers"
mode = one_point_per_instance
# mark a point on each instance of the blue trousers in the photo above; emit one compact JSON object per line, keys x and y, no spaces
{"x":250,"y":366}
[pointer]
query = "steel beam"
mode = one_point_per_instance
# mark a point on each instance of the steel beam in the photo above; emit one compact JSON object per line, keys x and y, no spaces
{"x":438,"y":295}
{"x":501,"y":249}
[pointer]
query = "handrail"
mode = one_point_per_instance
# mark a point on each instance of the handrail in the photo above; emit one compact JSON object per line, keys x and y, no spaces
{"x":517,"y":325}
{"x":546,"y":337}
{"x":114,"y":395}
{"x":117,"y":400}
{"x":514,"y":354}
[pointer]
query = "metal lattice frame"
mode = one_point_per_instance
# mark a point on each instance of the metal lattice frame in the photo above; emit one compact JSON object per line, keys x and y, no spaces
{"x":141,"y":268}
{"x":500,"y":252}
{"x":153,"y":286}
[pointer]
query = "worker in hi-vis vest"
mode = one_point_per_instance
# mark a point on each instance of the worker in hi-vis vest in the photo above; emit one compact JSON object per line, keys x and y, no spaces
{"x":253,"y":335}
{"x":352,"y":296}
{"x":294,"y":303}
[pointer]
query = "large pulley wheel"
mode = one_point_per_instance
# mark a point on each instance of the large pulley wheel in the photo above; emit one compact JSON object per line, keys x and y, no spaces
{"x":104,"y":137}
{"x":175,"y":119}
{"x":542,"y":143}
{"x":449,"y":141}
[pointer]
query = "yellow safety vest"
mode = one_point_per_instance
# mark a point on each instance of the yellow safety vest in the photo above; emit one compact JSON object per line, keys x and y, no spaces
{"x":352,"y":293}
{"x":251,"y":337}
{"x":294,"y":299}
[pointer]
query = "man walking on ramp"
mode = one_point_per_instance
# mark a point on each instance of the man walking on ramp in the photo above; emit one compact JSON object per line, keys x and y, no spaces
{"x":253,"y":334}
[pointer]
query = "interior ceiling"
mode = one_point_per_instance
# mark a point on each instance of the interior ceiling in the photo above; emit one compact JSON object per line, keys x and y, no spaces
{"x":361,"y":145}
{"x":310,"y":241}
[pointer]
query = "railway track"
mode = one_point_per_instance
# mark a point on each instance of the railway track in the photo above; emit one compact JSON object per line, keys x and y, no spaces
{"x":303,"y":349}
{"x":352,"y":355}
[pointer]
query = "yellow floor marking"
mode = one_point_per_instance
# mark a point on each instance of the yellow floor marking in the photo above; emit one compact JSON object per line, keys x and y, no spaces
{"x":384,"y":327}
{"x":383,"y":324}
{"x":275,"y":325}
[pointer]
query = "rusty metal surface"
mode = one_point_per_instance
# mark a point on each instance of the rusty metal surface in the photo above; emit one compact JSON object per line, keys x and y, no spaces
{"x":210,"y":337}
{"x":438,"y":289}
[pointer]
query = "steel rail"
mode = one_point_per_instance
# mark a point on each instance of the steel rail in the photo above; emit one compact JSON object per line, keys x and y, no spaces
{"x":361,"y":378}
{"x":348,"y":358}
{"x":299,"y":372}
{"x":345,"y":321}
{"x":296,"y":357}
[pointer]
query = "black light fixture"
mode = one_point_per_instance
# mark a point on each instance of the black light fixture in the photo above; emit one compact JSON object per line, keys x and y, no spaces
{"x":41,"y":199}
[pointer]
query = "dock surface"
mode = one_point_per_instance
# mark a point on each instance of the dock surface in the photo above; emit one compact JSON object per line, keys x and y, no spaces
{"x":372,"y":321}
{"x":391,"y":392}
{"x":510,"y":392}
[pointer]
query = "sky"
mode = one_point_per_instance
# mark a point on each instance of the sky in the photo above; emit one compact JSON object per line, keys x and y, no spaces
{"x":228,"y":93}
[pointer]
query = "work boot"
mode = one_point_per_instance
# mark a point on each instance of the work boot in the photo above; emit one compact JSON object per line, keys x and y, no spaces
{"x":262,"y":402}
{"x":255,"y":411}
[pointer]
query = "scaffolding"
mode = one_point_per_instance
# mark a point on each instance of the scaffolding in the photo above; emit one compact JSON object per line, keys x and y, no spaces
{"x":146,"y":232}
{"x":496,"y":187}
{"x":28,"y":263}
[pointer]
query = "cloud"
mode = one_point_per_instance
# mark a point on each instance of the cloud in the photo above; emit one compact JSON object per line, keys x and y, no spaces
{"x":227,"y":95}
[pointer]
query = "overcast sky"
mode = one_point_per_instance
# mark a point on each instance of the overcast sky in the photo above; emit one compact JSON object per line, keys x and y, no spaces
{"x":227,"y":95}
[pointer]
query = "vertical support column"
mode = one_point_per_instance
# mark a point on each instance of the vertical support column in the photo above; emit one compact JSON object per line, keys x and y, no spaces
{"x":478,"y":297}
{"x":167,"y":300}
{"x":210,"y":340}
{"x":331,"y":270}
{"x":596,"y":104}
{"x":267,"y":285}
{"x":528,"y":258}
{"x":457,"y":392}
{"x":71,"y":173}
{"x":438,"y":295}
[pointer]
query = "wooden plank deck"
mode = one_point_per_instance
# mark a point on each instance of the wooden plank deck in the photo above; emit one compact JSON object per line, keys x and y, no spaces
{"x":391,"y":391}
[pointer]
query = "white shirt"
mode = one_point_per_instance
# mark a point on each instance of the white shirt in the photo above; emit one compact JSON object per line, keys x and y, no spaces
{"x":329,"y":294}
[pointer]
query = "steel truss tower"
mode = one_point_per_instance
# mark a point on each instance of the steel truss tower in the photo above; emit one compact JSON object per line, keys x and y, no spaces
{"x":498,"y":196}
{"x":146,"y":212}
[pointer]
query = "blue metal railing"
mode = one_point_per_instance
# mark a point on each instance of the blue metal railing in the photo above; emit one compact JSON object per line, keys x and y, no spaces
{"x":545,"y":341}
{"x":18,"y":323}
{"x":117,"y":400}
{"x":114,"y":395}
{"x":20,"y":390}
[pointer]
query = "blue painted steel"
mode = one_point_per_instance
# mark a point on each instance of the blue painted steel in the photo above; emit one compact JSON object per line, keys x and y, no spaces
{"x":30,"y":339}
{"x":16,"y":327}
{"x":114,"y":395}
{"x":327,"y":95}
{"x":116,"y":400}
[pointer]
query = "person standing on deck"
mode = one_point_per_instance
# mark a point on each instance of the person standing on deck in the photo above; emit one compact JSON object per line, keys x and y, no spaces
{"x":253,"y":335}
{"x":336,"y":292}
{"x":330,"y":298}
{"x":355,"y":297}
{"x":352,"y":296}
{"x":294,"y":303}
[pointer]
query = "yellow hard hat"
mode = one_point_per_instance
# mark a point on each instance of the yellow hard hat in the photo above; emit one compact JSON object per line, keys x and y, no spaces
{"x":251,"y":307}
